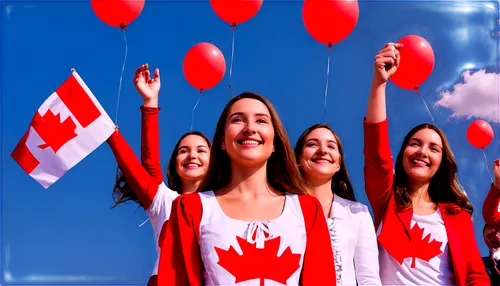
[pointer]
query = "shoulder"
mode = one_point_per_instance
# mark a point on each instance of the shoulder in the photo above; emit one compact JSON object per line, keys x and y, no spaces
{"x":354,"y":207}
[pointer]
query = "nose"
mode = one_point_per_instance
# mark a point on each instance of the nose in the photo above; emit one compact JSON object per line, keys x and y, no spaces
{"x":250,"y":127}
{"x":192,"y":154}
{"x":423,"y":151}
{"x":322,"y":149}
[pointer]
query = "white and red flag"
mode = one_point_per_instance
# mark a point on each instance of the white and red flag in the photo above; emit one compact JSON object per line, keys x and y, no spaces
{"x":68,"y":126}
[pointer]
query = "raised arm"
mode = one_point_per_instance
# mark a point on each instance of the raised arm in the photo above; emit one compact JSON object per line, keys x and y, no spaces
{"x":150,"y":142}
{"x":378,"y":166}
{"x":142,"y":183}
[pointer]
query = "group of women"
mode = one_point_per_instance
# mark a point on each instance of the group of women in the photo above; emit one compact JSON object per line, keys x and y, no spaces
{"x":247,"y":208}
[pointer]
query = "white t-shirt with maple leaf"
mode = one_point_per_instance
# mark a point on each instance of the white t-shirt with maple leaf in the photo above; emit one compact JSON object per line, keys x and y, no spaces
{"x":427,"y":261}
{"x":234,"y":251}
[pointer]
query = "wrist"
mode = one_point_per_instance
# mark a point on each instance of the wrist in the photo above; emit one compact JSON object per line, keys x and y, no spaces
{"x":152,"y":102}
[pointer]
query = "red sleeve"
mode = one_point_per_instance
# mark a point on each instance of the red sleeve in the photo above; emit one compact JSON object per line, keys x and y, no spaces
{"x":180,"y":258}
{"x":142,"y":183}
{"x":476,"y":272}
{"x":378,"y":168}
{"x":318,"y":266}
{"x":150,"y":142}
{"x":491,"y":208}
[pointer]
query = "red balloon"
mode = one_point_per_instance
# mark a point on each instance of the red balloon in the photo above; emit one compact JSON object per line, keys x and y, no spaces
{"x":416,"y":64}
{"x":236,"y":11}
{"x":330,"y":21}
{"x":480,"y":134}
{"x":117,"y":13}
{"x":204,"y":66}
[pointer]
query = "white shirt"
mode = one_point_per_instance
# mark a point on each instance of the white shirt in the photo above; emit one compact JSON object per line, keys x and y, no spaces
{"x":159,"y":212}
{"x":429,"y":231}
{"x":230,"y":247}
{"x":354,"y":243}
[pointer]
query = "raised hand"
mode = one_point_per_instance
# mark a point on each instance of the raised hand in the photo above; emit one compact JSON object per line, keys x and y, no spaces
{"x":386,"y":63}
{"x":147,"y":87}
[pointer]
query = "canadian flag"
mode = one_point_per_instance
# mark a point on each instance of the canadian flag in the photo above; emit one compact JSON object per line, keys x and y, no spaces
{"x":68,"y":126}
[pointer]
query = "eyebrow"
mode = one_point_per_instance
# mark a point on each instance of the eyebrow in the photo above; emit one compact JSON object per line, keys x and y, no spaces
{"x":256,"y":114}
{"x":315,"y":139}
{"x":186,"y":147}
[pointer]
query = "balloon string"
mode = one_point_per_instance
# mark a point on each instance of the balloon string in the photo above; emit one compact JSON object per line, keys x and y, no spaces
{"x":426,"y":107}
{"x":326,"y":88}
{"x":121,"y":75}
{"x":192,"y":114}
{"x":487,"y":166}
{"x":231,"y":65}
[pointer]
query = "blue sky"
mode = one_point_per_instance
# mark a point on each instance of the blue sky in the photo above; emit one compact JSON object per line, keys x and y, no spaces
{"x":68,"y":234}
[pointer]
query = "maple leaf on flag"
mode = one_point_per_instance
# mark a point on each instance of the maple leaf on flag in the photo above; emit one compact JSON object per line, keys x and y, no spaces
{"x":259,"y":263}
{"x":421,"y":247}
{"x":52,"y":131}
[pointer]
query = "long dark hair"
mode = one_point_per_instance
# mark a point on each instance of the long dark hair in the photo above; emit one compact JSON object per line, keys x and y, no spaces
{"x":341,"y":184}
{"x":123,"y":192}
{"x":444,"y":186}
{"x":282,"y":171}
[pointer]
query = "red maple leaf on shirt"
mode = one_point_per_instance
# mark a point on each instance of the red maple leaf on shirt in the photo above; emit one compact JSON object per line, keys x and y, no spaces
{"x":421,"y":247}
{"x":257,"y":263}
{"x":52,"y":131}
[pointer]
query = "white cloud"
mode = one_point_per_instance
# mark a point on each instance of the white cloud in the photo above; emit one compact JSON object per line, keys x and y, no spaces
{"x":477,"y":96}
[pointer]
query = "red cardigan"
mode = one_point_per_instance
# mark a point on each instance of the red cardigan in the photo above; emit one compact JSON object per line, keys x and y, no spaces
{"x":491,"y":208}
{"x":378,"y":172}
{"x":181,"y":262}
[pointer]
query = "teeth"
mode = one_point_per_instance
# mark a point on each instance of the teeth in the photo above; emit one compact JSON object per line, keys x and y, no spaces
{"x":419,"y":162}
{"x":192,"y":165}
{"x":250,"y":142}
{"x":322,"y":160}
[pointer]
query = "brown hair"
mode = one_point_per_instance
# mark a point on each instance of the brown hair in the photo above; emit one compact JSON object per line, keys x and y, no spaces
{"x":123,"y":192}
{"x":341,"y":184}
{"x":282,"y":170}
{"x":444,"y":186}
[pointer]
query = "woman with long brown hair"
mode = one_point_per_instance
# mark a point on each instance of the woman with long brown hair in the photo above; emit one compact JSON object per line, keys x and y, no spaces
{"x":320,"y":155}
{"x":423,"y":219}
{"x":251,"y":220}
{"x":144,"y":184}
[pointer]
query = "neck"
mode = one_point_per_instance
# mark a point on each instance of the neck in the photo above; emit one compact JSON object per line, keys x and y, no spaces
{"x":321,"y":189}
{"x":190,"y":186}
{"x":249,"y":181}
{"x":420,"y":191}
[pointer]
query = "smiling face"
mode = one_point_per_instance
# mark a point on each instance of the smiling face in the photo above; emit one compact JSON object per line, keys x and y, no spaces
{"x":422,"y":155}
{"x":192,"y":159}
{"x":249,"y":132}
{"x":320,"y":157}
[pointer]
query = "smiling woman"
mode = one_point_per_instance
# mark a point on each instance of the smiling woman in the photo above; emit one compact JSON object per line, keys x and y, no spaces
{"x":423,"y":219}
{"x":253,"y":199}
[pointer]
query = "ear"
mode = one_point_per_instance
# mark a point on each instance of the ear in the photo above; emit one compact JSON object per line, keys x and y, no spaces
{"x":273,"y":148}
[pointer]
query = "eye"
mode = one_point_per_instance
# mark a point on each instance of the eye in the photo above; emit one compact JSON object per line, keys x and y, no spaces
{"x":202,"y":151}
{"x":311,"y":144}
{"x":261,"y":121}
{"x":237,"y":119}
{"x":331,"y":147}
{"x":182,"y":151}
